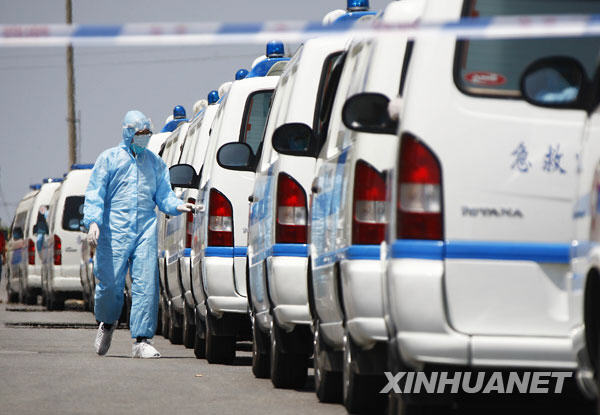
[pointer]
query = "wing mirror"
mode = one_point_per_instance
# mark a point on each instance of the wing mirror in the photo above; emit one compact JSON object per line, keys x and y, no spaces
{"x":295,"y":139}
{"x":236,"y":156}
{"x":555,"y":82}
{"x":184,"y":175}
{"x":368,"y":112}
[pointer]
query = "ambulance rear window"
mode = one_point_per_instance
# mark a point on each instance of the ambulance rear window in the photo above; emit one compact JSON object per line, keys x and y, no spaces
{"x":494,"y":67}
{"x":73,"y":213}
{"x":255,"y":118}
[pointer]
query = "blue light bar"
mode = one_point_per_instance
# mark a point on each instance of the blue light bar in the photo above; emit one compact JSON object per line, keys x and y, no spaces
{"x":348,"y":18}
{"x":213,"y":97}
{"x":357,"y":5}
{"x":53,"y":180}
{"x":241,"y":74}
{"x":81,"y":166}
{"x":262,"y":68}
{"x":36,"y":186}
{"x":275,"y":49}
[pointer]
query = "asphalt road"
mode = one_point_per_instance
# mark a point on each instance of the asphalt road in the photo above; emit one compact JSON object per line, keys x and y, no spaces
{"x":55,"y":371}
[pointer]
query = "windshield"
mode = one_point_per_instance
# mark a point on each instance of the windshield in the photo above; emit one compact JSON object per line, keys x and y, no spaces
{"x":255,"y":118}
{"x":73,"y":213}
{"x":494,"y":67}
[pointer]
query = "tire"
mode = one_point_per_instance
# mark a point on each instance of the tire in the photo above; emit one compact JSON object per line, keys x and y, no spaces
{"x":55,"y":302}
{"x":13,"y":297}
{"x":165,"y":319}
{"x":288,"y":370}
{"x":328,"y":384}
{"x":189,"y":328}
{"x":260,"y":352}
{"x":219,"y":349}
{"x":158,"y":330}
{"x":175,"y":333}
{"x":360,"y":392}
{"x":199,"y":343}
{"x":30,"y":298}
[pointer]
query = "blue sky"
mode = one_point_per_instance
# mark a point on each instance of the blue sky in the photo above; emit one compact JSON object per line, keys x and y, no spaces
{"x":110,"y":81}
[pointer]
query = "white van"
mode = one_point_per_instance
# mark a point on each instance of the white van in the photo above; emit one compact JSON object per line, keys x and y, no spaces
{"x":569,"y":82}
{"x":20,"y":248}
{"x":348,"y":220}
{"x":178,"y":238}
{"x":483,"y":193}
{"x":60,"y":270}
{"x":220,"y":229}
{"x":171,"y":304}
{"x":277,"y":250}
{"x":32,"y":280}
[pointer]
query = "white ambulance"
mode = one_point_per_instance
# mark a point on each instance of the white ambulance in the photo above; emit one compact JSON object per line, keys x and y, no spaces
{"x":277,"y":250}
{"x":218,"y":254}
{"x":60,"y":270}
{"x":482,"y":199}
{"x":181,"y":324}
{"x":348,"y":220}
{"x":20,"y":248}
{"x":32,"y":281}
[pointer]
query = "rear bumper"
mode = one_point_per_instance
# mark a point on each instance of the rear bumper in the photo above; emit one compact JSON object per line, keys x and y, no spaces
{"x":288,"y":290}
{"x":218,"y":280}
{"x":362,"y":292}
{"x":66,"y":284}
{"x":417,"y":315}
{"x":34,"y":281}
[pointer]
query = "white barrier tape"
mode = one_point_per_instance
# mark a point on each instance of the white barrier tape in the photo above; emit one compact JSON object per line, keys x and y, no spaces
{"x":136,"y":34}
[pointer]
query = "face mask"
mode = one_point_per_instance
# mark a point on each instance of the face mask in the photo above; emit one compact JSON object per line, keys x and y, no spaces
{"x":139,"y":143}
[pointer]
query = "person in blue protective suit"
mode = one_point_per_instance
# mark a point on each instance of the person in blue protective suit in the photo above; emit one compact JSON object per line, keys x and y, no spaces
{"x":126,"y":185}
{"x":178,"y":117}
{"x":41,"y":227}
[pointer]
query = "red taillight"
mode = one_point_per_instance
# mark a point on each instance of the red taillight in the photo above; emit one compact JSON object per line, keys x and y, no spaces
{"x":220,"y":221}
{"x":31,"y":252}
{"x":290,"y":227}
{"x":57,"y":251}
{"x":368,"y":218}
{"x":189,"y":223}
{"x":419,"y":197}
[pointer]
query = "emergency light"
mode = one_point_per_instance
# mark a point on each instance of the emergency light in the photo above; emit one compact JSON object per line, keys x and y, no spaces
{"x":81,"y":167}
{"x":358,"y":5}
{"x":241,"y":74}
{"x":213,"y":97}
{"x":275,"y":49}
{"x":36,"y":186}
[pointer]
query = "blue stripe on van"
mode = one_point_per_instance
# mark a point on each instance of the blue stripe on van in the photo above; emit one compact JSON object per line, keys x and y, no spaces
{"x":556,"y":253}
{"x":363,"y":252}
{"x":294,"y":250}
{"x":226,"y":251}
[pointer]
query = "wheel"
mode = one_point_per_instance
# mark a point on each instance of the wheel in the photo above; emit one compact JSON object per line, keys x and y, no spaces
{"x":55,"y":302}
{"x":288,"y":370}
{"x":199,"y":342}
{"x":328,"y":383}
{"x":360,"y":392}
{"x":260,"y":352}
{"x":13,"y":297}
{"x":30,"y":298}
{"x":175,"y":333}
{"x":158,"y":330}
{"x":219,"y":349}
{"x":165,"y":319}
{"x":189,"y":328}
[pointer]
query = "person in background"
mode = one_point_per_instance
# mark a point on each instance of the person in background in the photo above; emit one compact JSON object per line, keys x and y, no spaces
{"x":126,"y":185}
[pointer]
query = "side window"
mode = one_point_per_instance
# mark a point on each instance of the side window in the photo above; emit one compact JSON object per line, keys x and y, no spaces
{"x":330,"y":78}
{"x":493,"y":68}
{"x":18,"y":226}
{"x":255,"y":119}
{"x":72,"y":213}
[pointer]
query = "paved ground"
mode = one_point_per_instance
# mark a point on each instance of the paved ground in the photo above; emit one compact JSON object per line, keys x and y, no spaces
{"x":55,"y":371}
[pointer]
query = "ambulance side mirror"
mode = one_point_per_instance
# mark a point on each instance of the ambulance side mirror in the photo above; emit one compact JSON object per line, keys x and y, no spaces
{"x":367,"y":112}
{"x":184,"y":175}
{"x":236,"y":156}
{"x":555,"y":82}
{"x":295,"y":139}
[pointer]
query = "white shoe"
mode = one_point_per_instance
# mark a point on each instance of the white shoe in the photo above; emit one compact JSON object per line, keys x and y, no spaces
{"x":144,"y":350}
{"x":103,"y":339}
